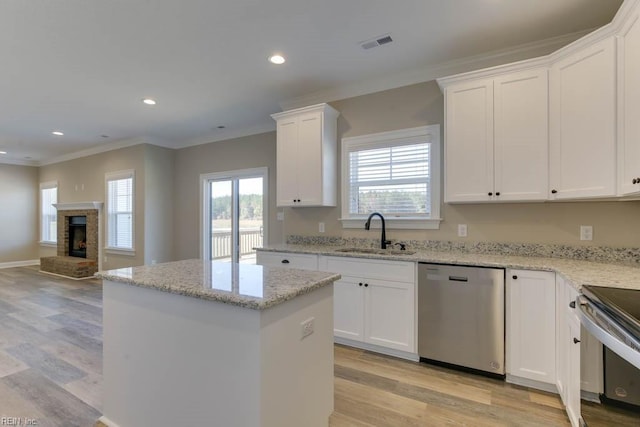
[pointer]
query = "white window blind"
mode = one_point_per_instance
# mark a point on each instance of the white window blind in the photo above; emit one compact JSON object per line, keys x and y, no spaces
{"x":120,"y":212}
{"x":391,"y":180}
{"x":48,"y":213}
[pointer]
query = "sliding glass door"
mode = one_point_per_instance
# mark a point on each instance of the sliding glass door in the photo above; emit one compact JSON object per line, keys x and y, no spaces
{"x":234,"y":206}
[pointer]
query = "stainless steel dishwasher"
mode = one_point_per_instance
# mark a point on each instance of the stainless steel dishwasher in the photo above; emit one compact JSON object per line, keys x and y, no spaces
{"x":461,"y":316}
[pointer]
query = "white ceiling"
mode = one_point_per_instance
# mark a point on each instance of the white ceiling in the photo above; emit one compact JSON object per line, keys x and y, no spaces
{"x":83,"y":66}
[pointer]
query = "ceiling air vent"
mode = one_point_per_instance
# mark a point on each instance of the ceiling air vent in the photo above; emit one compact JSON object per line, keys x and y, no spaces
{"x":378,"y":41}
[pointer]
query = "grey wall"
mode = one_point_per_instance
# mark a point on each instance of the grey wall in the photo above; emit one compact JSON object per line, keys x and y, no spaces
{"x":241,"y":153}
{"x":423,"y":104}
{"x":158,"y":204}
{"x":83,"y":180}
{"x":19,"y":224}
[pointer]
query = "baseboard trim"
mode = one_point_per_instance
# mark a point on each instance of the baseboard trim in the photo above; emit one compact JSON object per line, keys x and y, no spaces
{"x":67,"y":277}
{"x":539,"y":385}
{"x":106,"y":421}
{"x":378,"y":349}
{"x":26,"y":263}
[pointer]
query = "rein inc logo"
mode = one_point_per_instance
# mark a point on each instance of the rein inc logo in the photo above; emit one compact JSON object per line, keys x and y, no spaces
{"x":18,"y":421}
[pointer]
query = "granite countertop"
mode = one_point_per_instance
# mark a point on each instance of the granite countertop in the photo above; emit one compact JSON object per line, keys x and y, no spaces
{"x":251,"y":286}
{"x":577,"y":272}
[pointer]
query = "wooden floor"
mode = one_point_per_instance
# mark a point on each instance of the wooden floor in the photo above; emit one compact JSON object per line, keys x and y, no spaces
{"x":51,"y":372}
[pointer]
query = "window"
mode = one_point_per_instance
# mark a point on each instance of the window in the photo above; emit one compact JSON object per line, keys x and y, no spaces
{"x":234,"y":213}
{"x":48,"y":212}
{"x":120,"y":210}
{"x":395,"y":173}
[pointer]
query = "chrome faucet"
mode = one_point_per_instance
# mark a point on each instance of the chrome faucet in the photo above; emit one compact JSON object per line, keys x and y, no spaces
{"x":383,"y":238}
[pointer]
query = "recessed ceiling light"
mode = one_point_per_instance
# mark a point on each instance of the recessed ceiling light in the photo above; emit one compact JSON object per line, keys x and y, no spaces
{"x":57,"y":133}
{"x":3,"y":152}
{"x":221,"y":127}
{"x":277,"y":59}
{"x":149,"y":101}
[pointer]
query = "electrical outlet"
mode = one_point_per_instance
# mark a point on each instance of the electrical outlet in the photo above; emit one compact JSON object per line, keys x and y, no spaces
{"x":321,"y":227}
{"x":462,"y":230}
{"x":280,"y":216}
{"x":306,"y":327}
{"x":586,"y":232}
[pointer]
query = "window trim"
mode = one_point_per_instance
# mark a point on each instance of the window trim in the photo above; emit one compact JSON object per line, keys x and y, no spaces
{"x":431,"y":134}
{"x":46,"y":186}
{"x":114,"y":176}
{"x":205,"y":207}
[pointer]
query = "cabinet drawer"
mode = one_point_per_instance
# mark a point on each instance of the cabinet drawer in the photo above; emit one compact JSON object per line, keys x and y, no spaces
{"x":399,"y":271}
{"x":280,"y":259}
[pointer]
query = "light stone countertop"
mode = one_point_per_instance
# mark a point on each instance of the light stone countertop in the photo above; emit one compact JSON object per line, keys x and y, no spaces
{"x":577,"y":272}
{"x":251,"y":286}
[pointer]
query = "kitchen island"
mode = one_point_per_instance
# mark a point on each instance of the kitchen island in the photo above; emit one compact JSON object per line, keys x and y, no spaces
{"x":219,"y":344}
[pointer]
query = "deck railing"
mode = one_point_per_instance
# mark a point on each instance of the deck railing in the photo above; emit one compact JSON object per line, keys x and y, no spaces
{"x":221,"y":242}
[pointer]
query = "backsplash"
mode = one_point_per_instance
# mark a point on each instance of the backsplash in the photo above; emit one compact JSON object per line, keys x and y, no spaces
{"x":587,"y":253}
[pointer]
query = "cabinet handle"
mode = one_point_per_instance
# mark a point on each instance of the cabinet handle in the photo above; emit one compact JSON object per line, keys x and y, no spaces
{"x":360,"y":284}
{"x":366,"y":285}
{"x":285,"y":261}
{"x":554,"y":191}
{"x":634,"y":181}
{"x":497,"y":193}
{"x":576,"y":340}
{"x":490,"y":194}
{"x":514,"y":277}
{"x":572,"y":304}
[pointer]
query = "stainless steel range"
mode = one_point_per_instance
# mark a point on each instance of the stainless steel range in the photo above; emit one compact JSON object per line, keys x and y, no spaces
{"x":612,"y":315}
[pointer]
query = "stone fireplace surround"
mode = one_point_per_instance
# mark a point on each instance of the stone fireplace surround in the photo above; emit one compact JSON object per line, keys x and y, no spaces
{"x":66,"y":265}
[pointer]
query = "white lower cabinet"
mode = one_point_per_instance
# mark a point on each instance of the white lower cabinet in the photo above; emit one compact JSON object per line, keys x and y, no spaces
{"x":531,"y":326}
{"x":568,"y":350}
{"x":572,"y":402}
{"x":348,"y":309}
{"x":374,"y":302}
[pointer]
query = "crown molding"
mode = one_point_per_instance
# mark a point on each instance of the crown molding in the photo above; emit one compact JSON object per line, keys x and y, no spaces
{"x":431,"y":72}
{"x":226,"y":135}
{"x":19,"y":162}
{"x":116,"y":145}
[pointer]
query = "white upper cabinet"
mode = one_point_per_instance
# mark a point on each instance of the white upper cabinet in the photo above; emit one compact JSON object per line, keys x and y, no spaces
{"x":629,"y":107}
{"x":583,"y":123}
{"x":306,"y":156}
{"x":469,"y":142}
{"x":496,"y":137}
{"x":521,"y":140}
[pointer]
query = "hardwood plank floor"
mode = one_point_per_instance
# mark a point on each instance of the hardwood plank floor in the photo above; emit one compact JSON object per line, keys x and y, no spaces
{"x":51,"y":371}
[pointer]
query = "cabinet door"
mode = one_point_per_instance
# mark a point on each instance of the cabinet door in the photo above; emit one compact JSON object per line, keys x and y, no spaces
{"x":629,"y":107}
{"x":348,"y":315}
{"x":287,"y":163}
{"x":562,"y":340}
{"x":582,"y":123}
{"x":389,"y":314}
{"x":521,"y":139}
{"x":469,"y":142}
{"x":531,"y":325}
{"x":310,"y":159}
{"x":573,"y":361}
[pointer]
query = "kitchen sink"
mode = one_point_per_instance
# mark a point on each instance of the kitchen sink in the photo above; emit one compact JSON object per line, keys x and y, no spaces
{"x":376,"y":251}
